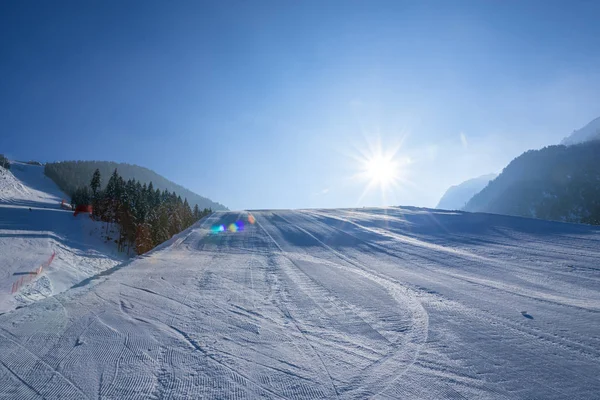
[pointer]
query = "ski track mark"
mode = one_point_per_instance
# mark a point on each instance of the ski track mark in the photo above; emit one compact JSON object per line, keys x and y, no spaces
{"x":421,"y":325}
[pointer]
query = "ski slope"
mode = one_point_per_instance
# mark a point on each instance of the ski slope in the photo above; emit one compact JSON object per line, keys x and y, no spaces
{"x":395,"y":303}
{"x":33,"y":227}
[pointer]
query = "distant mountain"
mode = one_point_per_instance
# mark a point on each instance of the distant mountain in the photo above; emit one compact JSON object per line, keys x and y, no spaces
{"x":556,"y":183}
{"x":69,"y":175}
{"x":456,"y":197}
{"x":589,"y":132}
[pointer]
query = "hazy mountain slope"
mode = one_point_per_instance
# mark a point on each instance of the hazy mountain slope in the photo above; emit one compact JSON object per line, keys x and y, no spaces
{"x":589,"y":132}
{"x":69,"y":175}
{"x":456,"y":197}
{"x":557,"y":182}
{"x":392,"y":303}
{"x":33,"y":228}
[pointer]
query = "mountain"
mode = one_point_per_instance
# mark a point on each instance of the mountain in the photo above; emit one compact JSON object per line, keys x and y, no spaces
{"x":589,"y":132}
{"x":557,"y":183}
{"x":70,"y":175}
{"x":456,"y":197}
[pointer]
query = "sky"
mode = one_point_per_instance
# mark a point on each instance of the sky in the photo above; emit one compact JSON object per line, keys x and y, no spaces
{"x":277,"y":104}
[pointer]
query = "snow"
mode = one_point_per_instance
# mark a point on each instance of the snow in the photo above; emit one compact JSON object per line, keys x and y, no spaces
{"x":33,"y":227}
{"x":386,"y":303}
{"x":26,"y":185}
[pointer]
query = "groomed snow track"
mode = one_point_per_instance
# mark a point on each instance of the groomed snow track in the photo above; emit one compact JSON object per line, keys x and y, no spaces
{"x":366,"y":303}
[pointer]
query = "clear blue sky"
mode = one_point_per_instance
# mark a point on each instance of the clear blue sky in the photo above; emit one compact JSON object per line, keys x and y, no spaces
{"x":262,"y":104}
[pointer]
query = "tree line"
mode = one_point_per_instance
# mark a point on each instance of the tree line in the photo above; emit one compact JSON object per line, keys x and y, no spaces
{"x":4,"y":161}
{"x":70,"y":175}
{"x":145,"y":217}
{"x":560,"y":183}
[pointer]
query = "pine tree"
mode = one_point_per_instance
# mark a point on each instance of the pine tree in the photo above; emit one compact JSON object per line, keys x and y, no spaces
{"x":150,"y":196}
{"x":111,"y":187}
{"x":165,"y":196}
{"x":157,"y":198}
{"x":110,"y":200}
{"x":187,"y":216}
{"x":95,"y":185}
{"x":175,"y":222}
{"x":4,"y":161}
{"x":127,"y":228}
{"x":162,"y":227}
{"x":143,"y":238}
{"x":96,"y":182}
{"x":80,"y":197}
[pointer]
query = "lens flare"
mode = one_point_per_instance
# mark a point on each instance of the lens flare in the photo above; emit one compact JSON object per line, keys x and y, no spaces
{"x":251,"y":219}
{"x":217,"y":228}
{"x":240,"y":225}
{"x":236,"y":226}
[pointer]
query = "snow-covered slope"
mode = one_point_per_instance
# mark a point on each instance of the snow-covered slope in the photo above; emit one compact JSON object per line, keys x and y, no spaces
{"x":456,"y":197}
{"x":26,"y":185}
{"x":385,"y":303}
{"x":589,"y":132}
{"x":33,"y":227}
{"x":11,"y":188}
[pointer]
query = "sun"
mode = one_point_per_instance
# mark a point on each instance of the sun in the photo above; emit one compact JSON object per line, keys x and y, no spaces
{"x":381,"y":170}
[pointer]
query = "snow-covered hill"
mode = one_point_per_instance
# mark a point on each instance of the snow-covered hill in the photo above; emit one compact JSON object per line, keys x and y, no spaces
{"x":457,"y":196}
{"x":33,"y":227}
{"x":370,"y":303}
{"x":26,"y":185}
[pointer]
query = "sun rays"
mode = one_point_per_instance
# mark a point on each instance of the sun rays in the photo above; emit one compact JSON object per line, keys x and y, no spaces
{"x":382,"y":169}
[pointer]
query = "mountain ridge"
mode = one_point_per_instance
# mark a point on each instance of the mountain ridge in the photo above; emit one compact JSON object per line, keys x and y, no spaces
{"x":557,"y":182}
{"x":591,"y":131}
{"x":69,"y":175}
{"x":457,"y":196}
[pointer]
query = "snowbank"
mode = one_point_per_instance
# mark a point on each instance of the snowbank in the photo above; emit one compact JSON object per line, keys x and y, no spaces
{"x":33,"y":227}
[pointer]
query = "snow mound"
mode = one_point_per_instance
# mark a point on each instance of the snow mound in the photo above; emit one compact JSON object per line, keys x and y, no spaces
{"x":34,"y":229}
